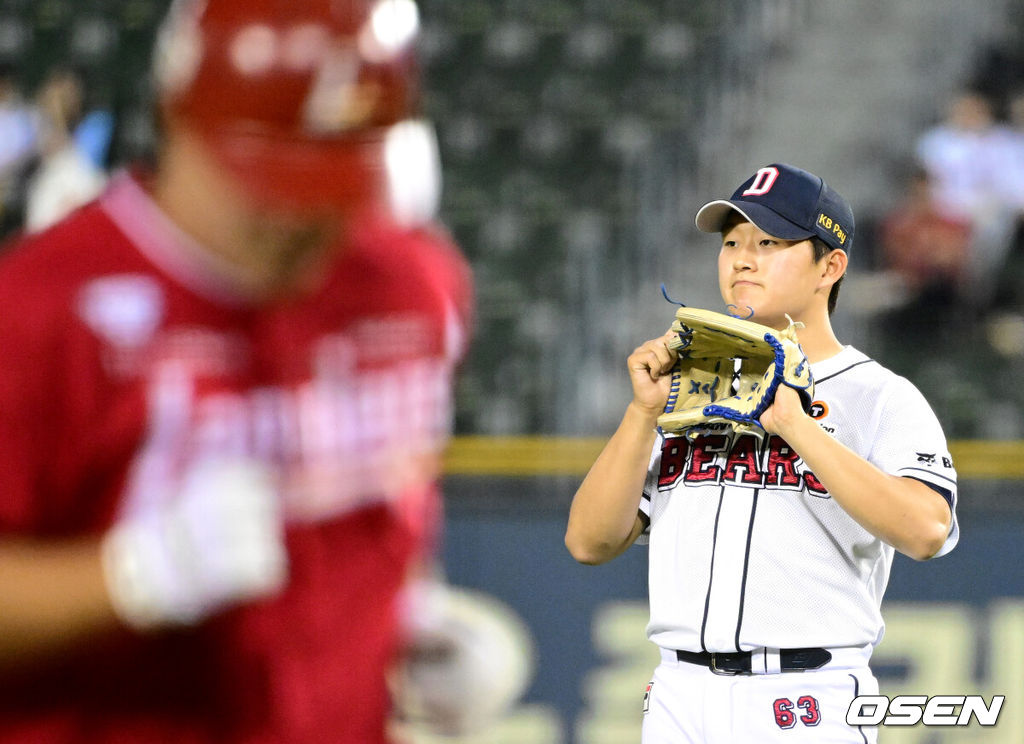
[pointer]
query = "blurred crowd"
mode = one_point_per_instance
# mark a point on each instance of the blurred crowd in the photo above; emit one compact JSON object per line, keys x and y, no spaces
{"x":957,"y":229}
{"x":953,"y":244}
{"x":53,"y":149}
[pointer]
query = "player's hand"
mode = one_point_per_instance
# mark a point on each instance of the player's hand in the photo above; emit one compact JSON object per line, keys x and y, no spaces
{"x":650,"y":366}
{"x":467,"y":662}
{"x":785,"y":412}
{"x":218,"y":541}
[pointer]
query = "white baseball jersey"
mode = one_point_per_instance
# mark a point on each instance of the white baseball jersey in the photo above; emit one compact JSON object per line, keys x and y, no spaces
{"x":747,"y":548}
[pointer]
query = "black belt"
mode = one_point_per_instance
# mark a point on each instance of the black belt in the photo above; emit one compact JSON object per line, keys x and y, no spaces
{"x":790,"y":660}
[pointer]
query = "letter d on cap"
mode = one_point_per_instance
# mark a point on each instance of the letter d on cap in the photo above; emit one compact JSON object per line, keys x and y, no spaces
{"x":763,"y":181}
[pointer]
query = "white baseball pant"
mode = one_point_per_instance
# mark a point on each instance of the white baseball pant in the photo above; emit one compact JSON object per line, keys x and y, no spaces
{"x":689,"y":704}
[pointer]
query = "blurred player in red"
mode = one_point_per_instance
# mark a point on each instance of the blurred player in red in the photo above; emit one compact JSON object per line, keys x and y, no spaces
{"x":224,"y":392}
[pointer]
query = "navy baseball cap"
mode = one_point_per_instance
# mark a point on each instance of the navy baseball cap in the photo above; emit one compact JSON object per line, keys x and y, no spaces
{"x":787,"y":203}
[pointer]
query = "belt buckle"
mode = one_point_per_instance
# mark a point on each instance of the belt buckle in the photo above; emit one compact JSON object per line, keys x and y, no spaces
{"x":722,"y":672}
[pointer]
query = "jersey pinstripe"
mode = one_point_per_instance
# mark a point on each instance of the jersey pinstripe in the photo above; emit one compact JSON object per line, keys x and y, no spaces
{"x":747,"y":548}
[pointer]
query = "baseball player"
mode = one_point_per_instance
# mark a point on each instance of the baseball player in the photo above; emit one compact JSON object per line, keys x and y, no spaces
{"x":769,"y":554}
{"x":225,"y":388}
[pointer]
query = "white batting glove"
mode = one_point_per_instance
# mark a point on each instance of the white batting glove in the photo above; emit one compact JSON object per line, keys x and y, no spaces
{"x":218,"y":543}
{"x":470,"y":659}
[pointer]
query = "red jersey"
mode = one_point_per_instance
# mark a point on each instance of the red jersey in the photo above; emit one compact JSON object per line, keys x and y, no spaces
{"x":125,"y":359}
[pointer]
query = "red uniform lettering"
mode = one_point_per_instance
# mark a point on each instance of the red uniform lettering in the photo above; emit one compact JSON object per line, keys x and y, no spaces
{"x":814,"y":485}
{"x":702,"y":467}
{"x":673,"y":460}
{"x":742,"y":465}
{"x":782,"y":461}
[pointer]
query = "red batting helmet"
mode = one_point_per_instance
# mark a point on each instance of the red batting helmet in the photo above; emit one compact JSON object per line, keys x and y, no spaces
{"x":304,"y":101}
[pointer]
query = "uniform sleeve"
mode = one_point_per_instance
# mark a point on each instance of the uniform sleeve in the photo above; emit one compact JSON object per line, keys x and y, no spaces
{"x":650,"y":490}
{"x":909,"y":442}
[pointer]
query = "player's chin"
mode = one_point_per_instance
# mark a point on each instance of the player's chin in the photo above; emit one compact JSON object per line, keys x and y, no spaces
{"x":744,"y":296}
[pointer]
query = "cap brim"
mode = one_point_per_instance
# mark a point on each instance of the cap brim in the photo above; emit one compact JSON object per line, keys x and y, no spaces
{"x":712,"y":216}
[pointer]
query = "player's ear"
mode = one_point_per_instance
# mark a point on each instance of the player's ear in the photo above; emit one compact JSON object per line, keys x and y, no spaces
{"x":834,"y":266}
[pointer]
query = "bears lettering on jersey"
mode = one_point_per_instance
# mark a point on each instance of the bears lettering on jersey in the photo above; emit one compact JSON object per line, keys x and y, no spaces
{"x":742,"y":460}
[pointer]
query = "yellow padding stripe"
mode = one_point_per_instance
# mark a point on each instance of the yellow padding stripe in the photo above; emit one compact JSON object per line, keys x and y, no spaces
{"x":994,"y":459}
{"x":525,"y":456}
{"x":474,"y":455}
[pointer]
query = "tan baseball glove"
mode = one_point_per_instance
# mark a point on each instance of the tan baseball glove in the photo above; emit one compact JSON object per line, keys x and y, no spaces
{"x":729,"y":369}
